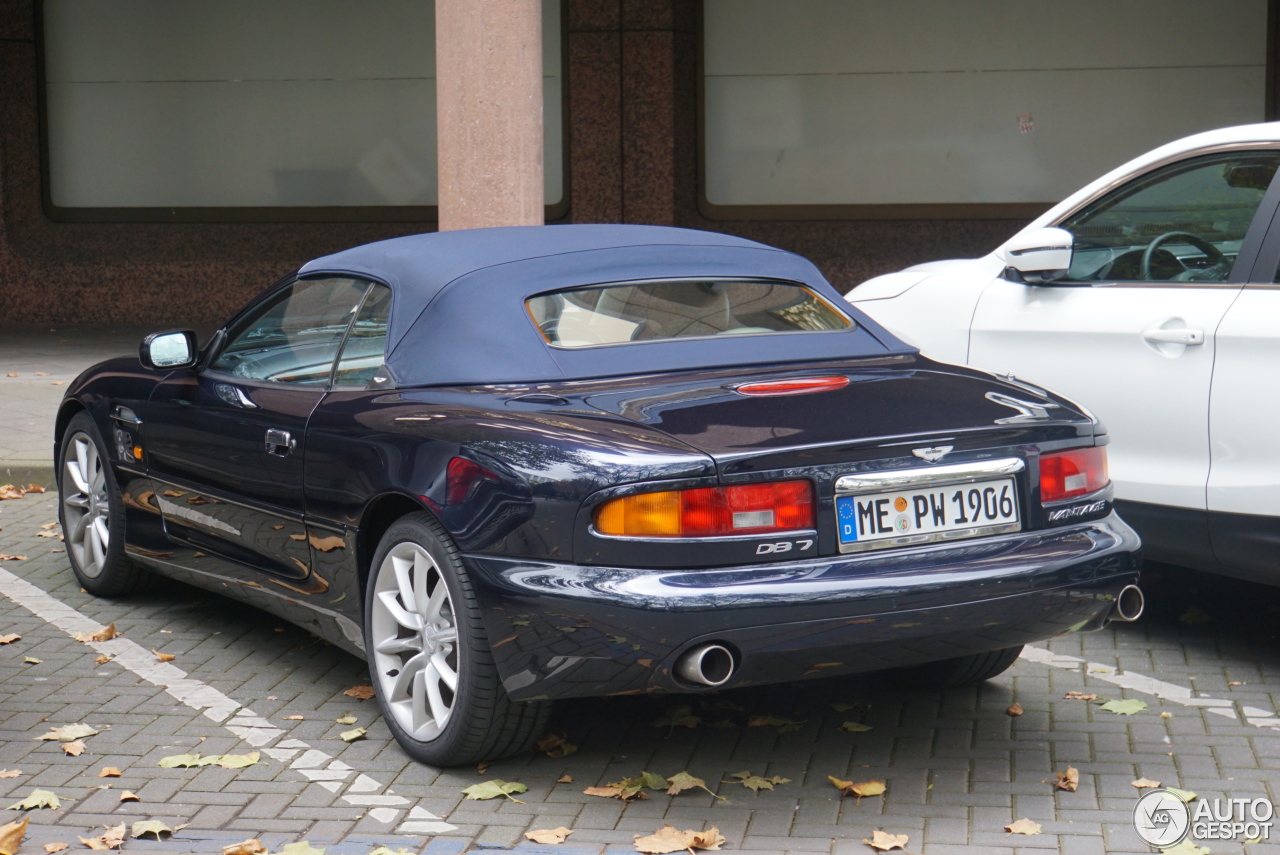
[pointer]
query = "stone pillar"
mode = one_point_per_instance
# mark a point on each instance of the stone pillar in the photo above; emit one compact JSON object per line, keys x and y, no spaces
{"x":489,"y":112}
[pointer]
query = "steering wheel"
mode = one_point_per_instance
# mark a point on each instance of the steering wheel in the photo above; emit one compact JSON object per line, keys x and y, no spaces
{"x":1214,"y":254}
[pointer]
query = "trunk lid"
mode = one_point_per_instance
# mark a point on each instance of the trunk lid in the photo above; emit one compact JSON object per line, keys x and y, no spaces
{"x":897,"y":402}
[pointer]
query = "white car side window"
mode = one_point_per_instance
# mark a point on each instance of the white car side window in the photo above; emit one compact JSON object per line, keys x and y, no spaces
{"x":1180,"y":223}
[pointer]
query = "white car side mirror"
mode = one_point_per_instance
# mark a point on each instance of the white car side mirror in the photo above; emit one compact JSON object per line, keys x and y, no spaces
{"x":1038,"y":257}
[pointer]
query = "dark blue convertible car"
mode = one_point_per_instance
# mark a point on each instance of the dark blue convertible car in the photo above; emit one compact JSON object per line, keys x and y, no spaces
{"x":513,"y":465}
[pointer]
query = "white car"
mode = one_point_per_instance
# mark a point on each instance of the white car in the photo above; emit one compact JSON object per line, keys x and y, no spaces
{"x":1151,"y":296}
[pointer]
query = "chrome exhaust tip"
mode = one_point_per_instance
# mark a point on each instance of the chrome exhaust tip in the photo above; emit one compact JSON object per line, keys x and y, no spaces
{"x":708,"y":664}
{"x":1129,"y":604}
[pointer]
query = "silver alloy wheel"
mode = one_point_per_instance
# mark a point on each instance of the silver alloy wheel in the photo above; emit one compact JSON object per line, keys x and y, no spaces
{"x":86,"y":508}
{"x":415,"y":641}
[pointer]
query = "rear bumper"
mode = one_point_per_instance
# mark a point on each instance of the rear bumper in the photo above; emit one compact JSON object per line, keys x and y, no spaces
{"x":563,"y":630}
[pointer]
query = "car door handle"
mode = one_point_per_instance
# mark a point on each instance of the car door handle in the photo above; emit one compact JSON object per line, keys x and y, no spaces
{"x":279,"y":442}
{"x":1176,"y":336}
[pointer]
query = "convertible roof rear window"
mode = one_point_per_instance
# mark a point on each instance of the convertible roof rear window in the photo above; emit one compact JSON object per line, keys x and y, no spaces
{"x":658,"y":310}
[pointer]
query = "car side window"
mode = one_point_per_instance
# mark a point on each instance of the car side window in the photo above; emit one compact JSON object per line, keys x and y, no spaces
{"x":366,"y":345}
{"x":1181,"y":223}
{"x":294,"y":336}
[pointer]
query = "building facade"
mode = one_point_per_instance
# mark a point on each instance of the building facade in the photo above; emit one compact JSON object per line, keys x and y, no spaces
{"x":160,"y":162}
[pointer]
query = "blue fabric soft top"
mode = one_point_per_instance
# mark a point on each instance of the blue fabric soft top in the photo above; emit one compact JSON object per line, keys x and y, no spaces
{"x":458,"y":301}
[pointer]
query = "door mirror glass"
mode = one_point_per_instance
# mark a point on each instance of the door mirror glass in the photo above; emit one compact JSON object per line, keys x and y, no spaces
{"x":165,"y":350}
{"x":1039,"y":256}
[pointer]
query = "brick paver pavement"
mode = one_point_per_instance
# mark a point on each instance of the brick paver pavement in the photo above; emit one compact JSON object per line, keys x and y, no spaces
{"x":957,"y":767}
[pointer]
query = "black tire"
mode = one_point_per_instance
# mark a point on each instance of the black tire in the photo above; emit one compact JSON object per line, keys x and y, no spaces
{"x":484,"y":723}
{"x":961,"y":671}
{"x":112,"y":574}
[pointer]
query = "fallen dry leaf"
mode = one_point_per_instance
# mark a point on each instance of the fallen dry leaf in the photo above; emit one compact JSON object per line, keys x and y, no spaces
{"x":54,"y":847}
{"x":884,"y":841}
{"x":252,"y":846}
{"x":1080,"y":696}
{"x":555,"y":746}
{"x":101,"y":660}
{"x":862,"y":789}
{"x":10,"y":638}
{"x":362,"y":693}
{"x":163,"y":657}
{"x":681,"y":716}
{"x":1146,"y":783}
{"x":609,"y":792}
{"x":1125,"y":707}
{"x":1235,"y":683}
{"x":75,"y":749}
{"x":757,"y":783}
{"x":482,"y":767}
{"x":1014,"y":709}
{"x":69,"y":733}
{"x":348,"y":718}
{"x":149,"y":826}
{"x":11,"y":374}
{"x":1022,"y":826}
{"x":48,"y":526}
{"x":8,"y":491}
{"x":11,"y":834}
{"x":42,"y":373}
{"x":304,"y":847}
{"x":31,"y":660}
{"x":353,"y":734}
{"x":493,"y":789}
{"x":548,"y":835}
{"x":4,"y":557}
{"x":107,"y":633}
{"x":129,"y":796}
{"x":682,"y":781}
{"x":35,"y":488}
{"x":38,"y":799}
{"x":238,"y":761}
{"x":854,"y":727}
{"x":1068,"y":780}
{"x":293,"y":718}
{"x":563,"y":779}
{"x":784,"y":725}
{"x":10,"y":773}
{"x":109,"y":772}
{"x":669,"y":839}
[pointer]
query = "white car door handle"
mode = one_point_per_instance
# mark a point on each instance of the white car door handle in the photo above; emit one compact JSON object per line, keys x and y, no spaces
{"x":1188,"y":337}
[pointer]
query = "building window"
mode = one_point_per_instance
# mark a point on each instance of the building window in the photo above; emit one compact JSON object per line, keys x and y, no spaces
{"x":934,"y":108}
{"x":230,"y":109}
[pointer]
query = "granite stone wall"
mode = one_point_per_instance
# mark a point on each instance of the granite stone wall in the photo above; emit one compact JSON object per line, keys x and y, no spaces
{"x":632,"y":106}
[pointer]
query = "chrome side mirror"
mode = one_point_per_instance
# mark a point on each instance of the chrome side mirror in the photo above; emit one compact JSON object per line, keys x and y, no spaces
{"x":1038,"y":257}
{"x":164,"y":351}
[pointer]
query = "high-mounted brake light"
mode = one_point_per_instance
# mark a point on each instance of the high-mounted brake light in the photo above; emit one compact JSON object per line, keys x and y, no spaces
{"x":1067,"y":474}
{"x":710,"y":511}
{"x":796,"y":386}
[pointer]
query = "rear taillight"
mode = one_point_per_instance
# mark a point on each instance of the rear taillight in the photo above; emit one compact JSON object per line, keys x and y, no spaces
{"x":710,"y":511}
{"x":1067,"y":474}
{"x":793,"y":386}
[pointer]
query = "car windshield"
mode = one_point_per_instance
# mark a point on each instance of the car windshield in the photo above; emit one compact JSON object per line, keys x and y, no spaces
{"x":679,"y":308}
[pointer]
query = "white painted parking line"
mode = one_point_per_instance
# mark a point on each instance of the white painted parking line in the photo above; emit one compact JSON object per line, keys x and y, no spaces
{"x":238,"y":719}
{"x":1149,"y":686}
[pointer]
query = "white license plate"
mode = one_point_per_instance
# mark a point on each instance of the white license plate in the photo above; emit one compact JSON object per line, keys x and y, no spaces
{"x":926,"y":514}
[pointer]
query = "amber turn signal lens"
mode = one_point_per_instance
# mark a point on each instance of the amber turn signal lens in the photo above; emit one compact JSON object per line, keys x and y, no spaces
{"x":1068,"y":474}
{"x":710,"y":511}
